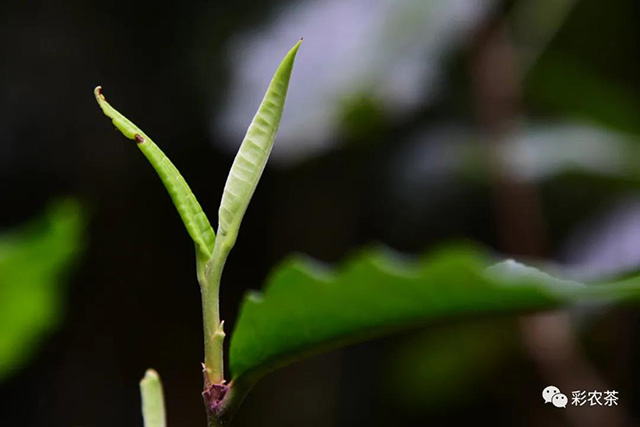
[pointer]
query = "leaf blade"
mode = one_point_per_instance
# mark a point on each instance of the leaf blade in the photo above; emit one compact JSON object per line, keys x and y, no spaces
{"x":254,"y":151}
{"x":189,"y":209}
{"x":374,"y":294}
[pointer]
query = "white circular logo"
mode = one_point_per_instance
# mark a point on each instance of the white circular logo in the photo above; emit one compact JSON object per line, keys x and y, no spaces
{"x":559,"y":400}
{"x":549,"y":392}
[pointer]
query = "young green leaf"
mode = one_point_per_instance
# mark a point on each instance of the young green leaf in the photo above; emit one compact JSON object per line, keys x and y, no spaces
{"x":188,"y":207}
{"x":153,"y":410}
{"x":254,"y":152}
{"x":305,"y":309}
{"x":241,"y":183}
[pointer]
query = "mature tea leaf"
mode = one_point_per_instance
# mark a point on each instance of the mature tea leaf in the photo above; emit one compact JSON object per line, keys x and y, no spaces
{"x":306,"y":309}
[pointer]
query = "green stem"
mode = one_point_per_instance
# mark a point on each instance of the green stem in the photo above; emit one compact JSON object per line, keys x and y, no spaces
{"x":209,"y":275}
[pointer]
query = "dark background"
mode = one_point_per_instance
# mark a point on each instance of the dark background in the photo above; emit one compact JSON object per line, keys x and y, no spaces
{"x":133,"y":300}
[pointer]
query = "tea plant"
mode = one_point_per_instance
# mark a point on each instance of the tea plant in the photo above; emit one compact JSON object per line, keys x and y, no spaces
{"x":306,"y":309}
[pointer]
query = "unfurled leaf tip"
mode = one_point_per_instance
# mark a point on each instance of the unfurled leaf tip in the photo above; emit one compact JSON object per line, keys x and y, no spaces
{"x":128,"y":129}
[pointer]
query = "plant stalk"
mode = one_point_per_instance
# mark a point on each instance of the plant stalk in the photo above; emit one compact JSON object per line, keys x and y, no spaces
{"x":209,"y":276}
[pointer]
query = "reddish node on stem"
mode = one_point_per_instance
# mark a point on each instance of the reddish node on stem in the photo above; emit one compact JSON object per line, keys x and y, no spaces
{"x":213,"y":395}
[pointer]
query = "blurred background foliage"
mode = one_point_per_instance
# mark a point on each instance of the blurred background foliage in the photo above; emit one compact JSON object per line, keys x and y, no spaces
{"x":34,"y":261}
{"x":510,"y":123}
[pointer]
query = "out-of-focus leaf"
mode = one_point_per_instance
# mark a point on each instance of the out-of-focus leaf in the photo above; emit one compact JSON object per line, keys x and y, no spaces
{"x":306,"y":309}
{"x":534,"y":23}
{"x":536,"y":152}
{"x":545,"y":150}
{"x":33,"y":262}
{"x":446,"y":365}
{"x":606,"y":244}
{"x":579,"y":91}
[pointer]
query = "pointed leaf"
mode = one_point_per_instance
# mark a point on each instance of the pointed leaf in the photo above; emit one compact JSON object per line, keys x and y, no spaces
{"x":194,"y":219}
{"x":254,"y":151}
{"x":306,"y":309}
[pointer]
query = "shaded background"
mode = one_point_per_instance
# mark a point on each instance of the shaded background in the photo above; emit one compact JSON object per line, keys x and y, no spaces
{"x":513,"y":124}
